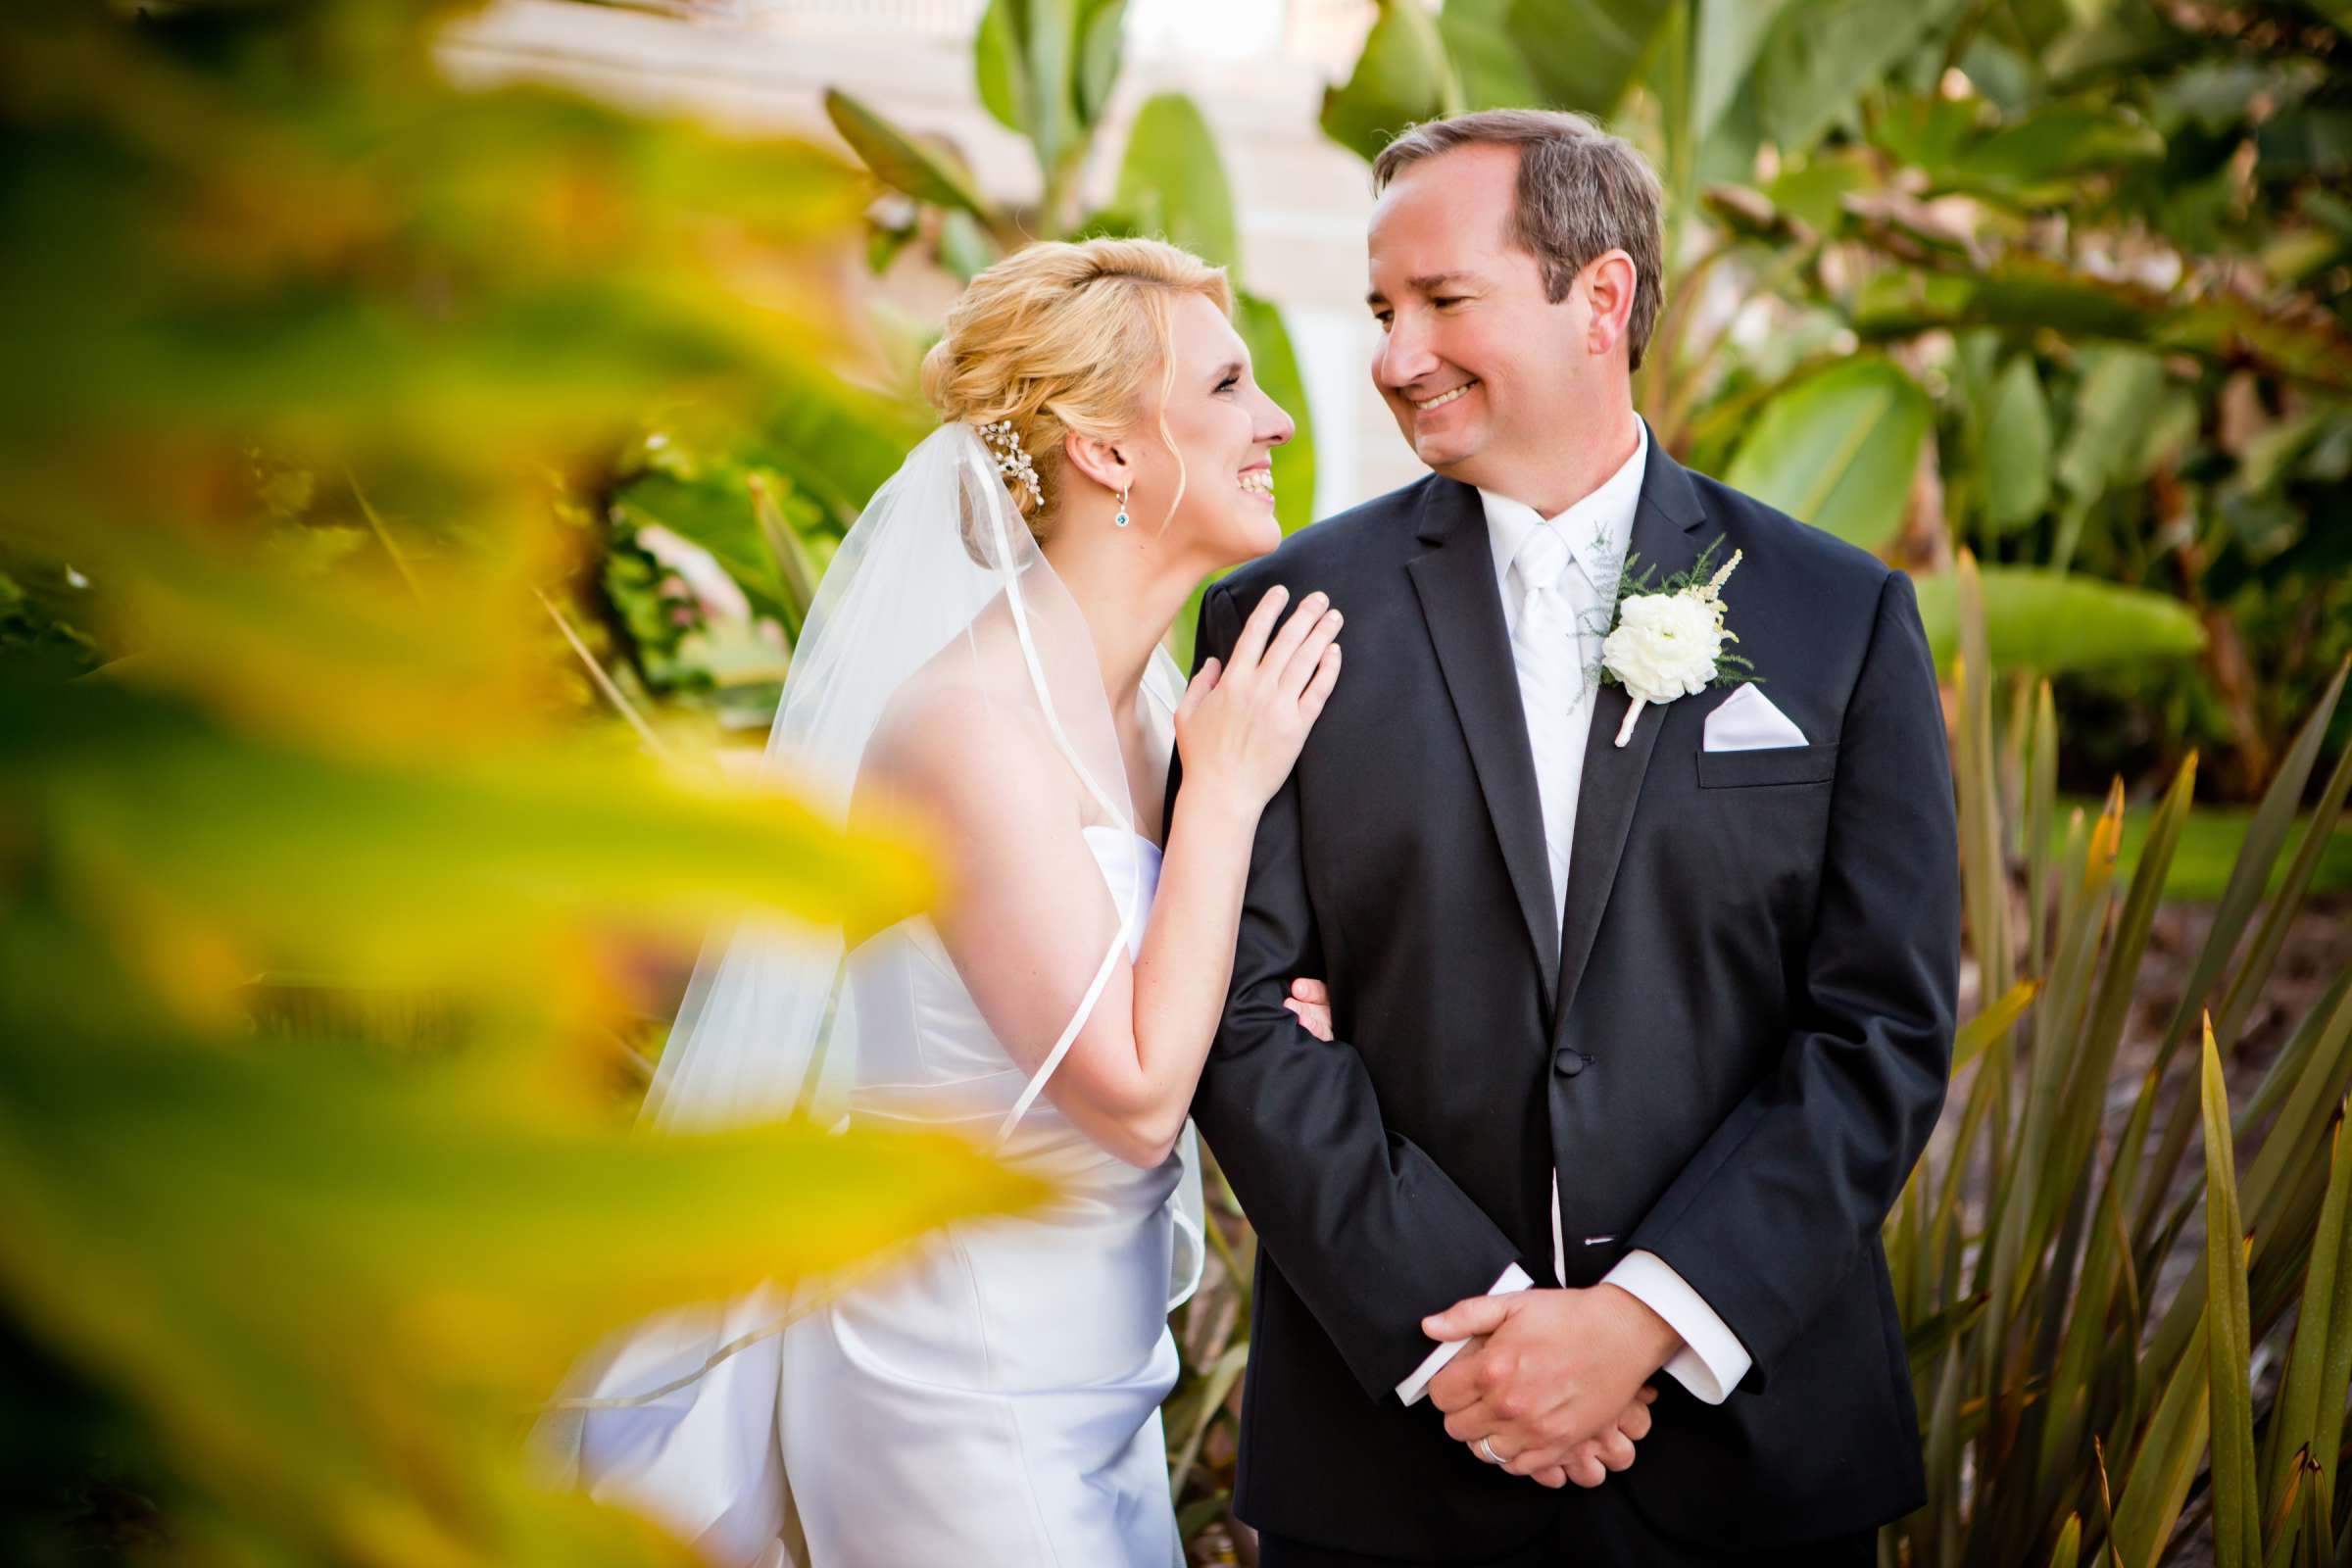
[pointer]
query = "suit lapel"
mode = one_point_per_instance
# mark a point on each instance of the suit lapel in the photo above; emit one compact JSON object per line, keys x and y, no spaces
{"x":1455,"y":582}
{"x":1665,"y":537}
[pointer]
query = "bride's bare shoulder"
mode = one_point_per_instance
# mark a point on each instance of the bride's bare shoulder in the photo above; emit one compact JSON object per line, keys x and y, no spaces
{"x":949,"y":740}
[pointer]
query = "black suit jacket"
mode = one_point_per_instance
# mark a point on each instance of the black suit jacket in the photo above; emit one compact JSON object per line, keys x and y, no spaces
{"x":1732,"y":1048}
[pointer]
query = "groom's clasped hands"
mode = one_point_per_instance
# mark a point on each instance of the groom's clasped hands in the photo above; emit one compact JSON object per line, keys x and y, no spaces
{"x":1552,"y":1384}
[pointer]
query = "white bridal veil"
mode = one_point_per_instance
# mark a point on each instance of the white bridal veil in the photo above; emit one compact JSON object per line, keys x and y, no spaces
{"x":938,"y":596}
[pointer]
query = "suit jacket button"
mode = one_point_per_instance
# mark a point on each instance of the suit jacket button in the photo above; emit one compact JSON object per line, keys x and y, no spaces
{"x":1570,"y":1063}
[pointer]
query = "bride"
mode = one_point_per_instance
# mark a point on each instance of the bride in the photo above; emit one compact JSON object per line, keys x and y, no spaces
{"x":986,"y":650}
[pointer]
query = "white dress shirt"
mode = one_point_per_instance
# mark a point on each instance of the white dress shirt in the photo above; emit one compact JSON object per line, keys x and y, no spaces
{"x":1597,"y":531}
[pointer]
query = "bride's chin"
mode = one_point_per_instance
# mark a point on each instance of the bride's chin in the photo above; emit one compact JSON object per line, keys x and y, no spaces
{"x":1245,"y":533}
{"x":1259,"y":531}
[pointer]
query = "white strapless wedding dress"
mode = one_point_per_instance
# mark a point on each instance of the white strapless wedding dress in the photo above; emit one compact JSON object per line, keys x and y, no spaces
{"x":994,"y":1401}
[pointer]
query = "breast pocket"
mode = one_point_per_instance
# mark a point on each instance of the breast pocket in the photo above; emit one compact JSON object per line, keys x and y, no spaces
{"x":1771,"y":766}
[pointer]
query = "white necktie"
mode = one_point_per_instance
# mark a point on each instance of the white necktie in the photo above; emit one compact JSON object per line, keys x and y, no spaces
{"x":1548,"y":653}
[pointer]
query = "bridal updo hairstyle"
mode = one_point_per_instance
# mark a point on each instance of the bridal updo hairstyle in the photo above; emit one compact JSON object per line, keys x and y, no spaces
{"x":1061,"y":337}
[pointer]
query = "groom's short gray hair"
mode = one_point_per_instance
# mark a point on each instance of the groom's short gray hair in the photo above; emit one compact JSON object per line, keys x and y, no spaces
{"x":1581,"y":192}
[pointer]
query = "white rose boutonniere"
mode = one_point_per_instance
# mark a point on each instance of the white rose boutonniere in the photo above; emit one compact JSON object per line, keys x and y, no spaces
{"x":1668,"y":641}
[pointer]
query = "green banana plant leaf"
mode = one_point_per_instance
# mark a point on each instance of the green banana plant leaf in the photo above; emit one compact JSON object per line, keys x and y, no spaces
{"x":902,"y":162}
{"x":1486,"y":59}
{"x":1027,"y":49}
{"x":719,"y":511}
{"x":1714,"y":134}
{"x":1584,"y":53}
{"x":2017,"y":445}
{"x":2106,"y":445}
{"x":2033,"y":159}
{"x":1819,"y":56}
{"x":1045,"y":68}
{"x":1101,"y":27}
{"x":2051,"y":622}
{"x":1401,"y":77}
{"x":837,"y":441}
{"x":1172,"y":182}
{"x":1838,"y":450}
{"x":2019,"y":291}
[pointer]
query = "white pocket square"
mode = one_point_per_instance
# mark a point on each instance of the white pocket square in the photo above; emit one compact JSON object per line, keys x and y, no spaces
{"x":1747,"y":722}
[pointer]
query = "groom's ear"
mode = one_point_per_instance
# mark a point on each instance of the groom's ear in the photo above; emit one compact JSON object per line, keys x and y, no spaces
{"x":1608,"y":282}
{"x":1106,"y":463}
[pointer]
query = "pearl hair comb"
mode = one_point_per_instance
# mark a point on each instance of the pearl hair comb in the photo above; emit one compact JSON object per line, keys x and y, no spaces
{"x":1012,"y":460}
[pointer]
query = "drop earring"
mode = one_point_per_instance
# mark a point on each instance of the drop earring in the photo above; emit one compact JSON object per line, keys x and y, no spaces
{"x":1120,"y":522}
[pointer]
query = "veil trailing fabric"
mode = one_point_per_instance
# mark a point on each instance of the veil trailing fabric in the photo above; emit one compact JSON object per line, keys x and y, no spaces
{"x":938,"y":595}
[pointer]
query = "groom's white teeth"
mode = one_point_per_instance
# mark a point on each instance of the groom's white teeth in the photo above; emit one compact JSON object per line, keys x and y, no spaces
{"x":1443,"y":398}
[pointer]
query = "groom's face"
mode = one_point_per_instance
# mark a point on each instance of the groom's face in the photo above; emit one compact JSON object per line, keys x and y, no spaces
{"x":1477,"y":365}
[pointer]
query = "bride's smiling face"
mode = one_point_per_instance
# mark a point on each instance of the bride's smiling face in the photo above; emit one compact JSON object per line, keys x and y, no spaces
{"x":1225,"y":428}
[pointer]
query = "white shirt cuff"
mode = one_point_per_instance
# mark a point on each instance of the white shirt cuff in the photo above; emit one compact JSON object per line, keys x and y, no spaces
{"x":1712,"y":1360}
{"x":1410,"y":1391}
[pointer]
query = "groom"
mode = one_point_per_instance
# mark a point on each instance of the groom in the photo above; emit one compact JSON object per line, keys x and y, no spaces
{"x":1640,"y":1027}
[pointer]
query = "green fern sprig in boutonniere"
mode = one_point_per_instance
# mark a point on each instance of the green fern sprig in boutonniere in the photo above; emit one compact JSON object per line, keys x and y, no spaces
{"x":1666,"y":641}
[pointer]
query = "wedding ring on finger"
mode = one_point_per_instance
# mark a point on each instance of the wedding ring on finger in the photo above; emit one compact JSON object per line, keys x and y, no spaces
{"x":1486,"y":1450}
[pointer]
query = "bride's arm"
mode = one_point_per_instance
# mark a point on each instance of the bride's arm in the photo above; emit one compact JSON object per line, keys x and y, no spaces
{"x":1028,"y":919}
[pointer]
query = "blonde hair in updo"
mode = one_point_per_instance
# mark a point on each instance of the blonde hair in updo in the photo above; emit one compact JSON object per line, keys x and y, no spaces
{"x":1061,"y":337}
